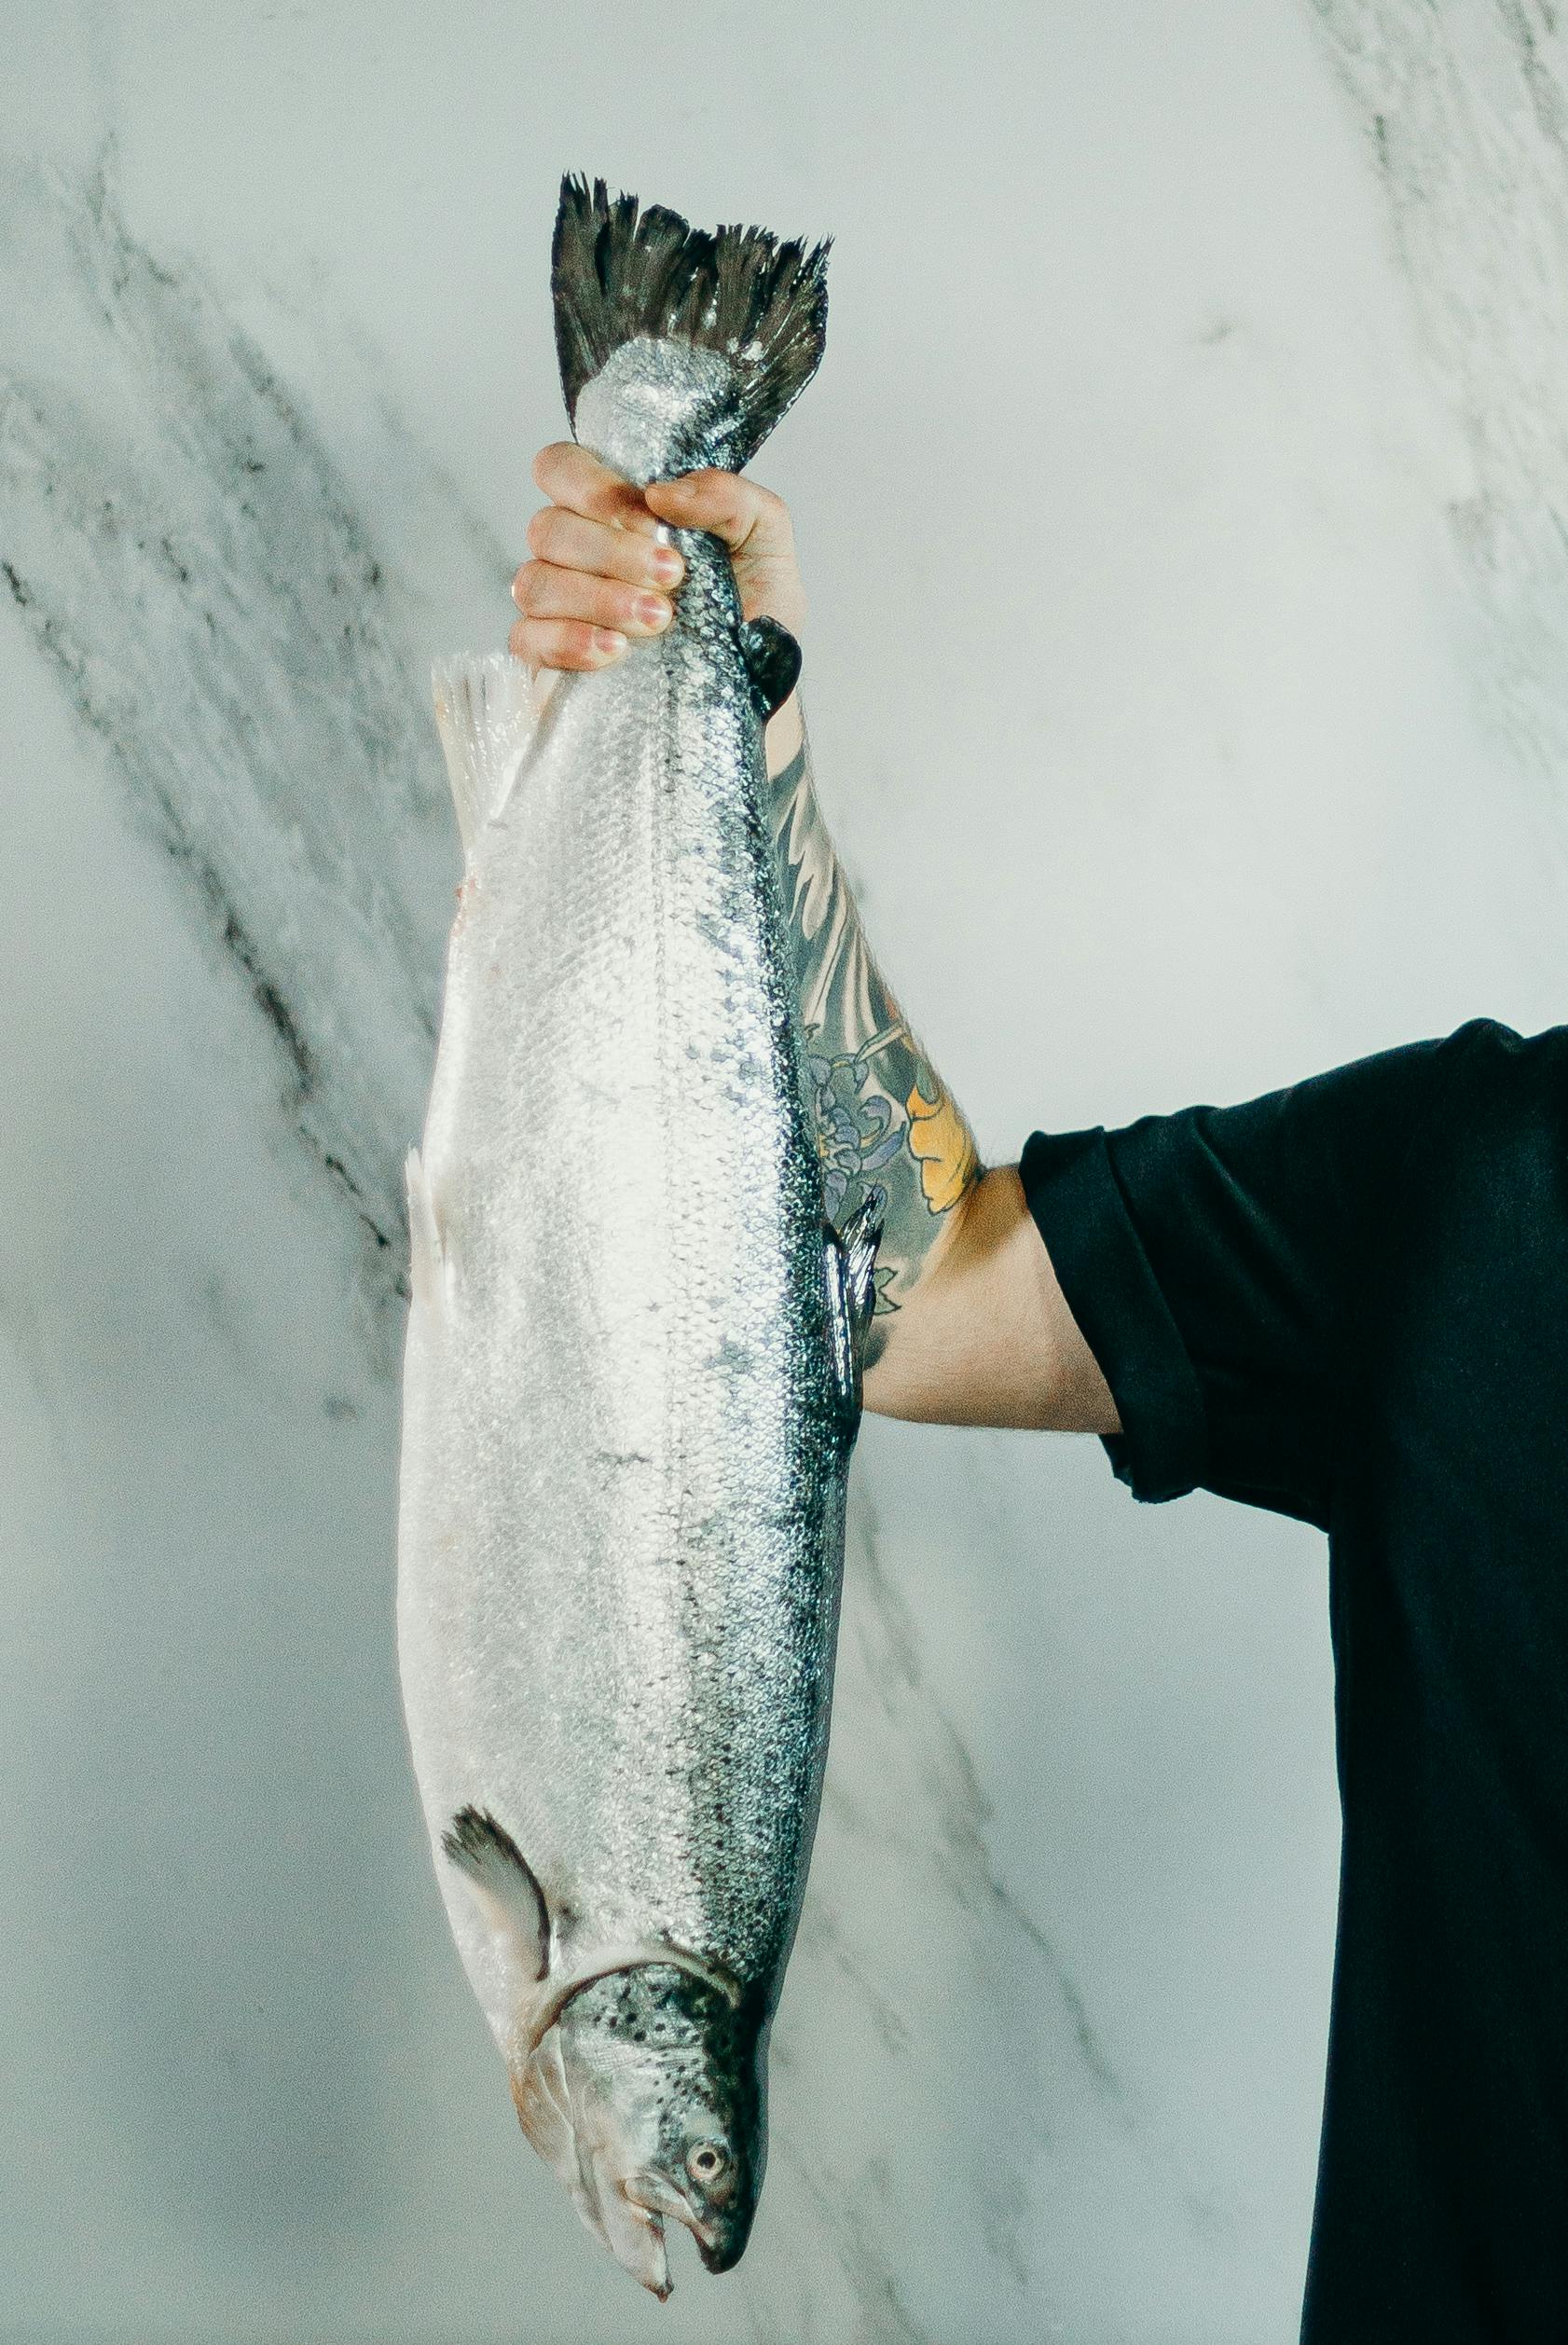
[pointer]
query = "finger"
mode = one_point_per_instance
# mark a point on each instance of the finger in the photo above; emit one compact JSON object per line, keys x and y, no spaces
{"x":734,"y":509}
{"x":564,"y":538}
{"x":568,"y":475}
{"x":540,"y":591}
{"x":564,"y":643}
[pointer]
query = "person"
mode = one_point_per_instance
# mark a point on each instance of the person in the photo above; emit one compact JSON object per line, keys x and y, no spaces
{"x":1347,"y":1302}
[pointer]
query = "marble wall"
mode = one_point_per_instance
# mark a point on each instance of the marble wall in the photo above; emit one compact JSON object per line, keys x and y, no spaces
{"x":1184,"y":502}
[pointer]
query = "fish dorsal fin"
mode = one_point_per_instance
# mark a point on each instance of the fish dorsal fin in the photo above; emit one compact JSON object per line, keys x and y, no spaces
{"x":773,"y":661}
{"x":487,"y":710}
{"x":489,"y":1860}
{"x":849,"y":1260}
{"x":636,"y":1954}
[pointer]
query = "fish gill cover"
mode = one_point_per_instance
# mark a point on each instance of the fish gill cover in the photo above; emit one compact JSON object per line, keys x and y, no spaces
{"x":617,"y":272}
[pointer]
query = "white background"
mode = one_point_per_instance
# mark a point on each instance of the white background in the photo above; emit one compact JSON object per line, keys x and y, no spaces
{"x":1178,"y":503}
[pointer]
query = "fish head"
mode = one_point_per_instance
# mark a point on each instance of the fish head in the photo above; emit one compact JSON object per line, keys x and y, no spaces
{"x":646,"y":2098}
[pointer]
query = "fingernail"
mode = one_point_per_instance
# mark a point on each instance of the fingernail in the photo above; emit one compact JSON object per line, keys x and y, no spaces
{"x":665,"y":563}
{"x":653,"y":609}
{"x":608,"y":644}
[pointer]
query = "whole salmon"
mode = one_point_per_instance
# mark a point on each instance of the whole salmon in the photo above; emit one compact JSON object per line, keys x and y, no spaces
{"x":631,"y":1383}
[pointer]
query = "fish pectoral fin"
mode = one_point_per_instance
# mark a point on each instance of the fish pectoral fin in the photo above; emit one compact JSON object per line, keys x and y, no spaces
{"x":850,"y":1265}
{"x":773,"y":661}
{"x":427,"y":1251}
{"x":604,"y":1961}
{"x":489,"y":1860}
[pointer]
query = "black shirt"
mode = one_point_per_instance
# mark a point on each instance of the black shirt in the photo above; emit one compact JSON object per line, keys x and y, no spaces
{"x":1348,"y":1302}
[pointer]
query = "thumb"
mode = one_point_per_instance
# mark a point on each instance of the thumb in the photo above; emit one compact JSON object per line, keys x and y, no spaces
{"x":748,"y":518}
{"x":752,"y":522}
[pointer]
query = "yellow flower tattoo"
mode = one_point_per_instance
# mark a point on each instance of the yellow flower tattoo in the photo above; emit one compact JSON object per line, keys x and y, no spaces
{"x":943,"y":1142}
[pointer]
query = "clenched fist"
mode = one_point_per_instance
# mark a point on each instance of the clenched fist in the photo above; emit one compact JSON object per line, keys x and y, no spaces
{"x":599,"y":575}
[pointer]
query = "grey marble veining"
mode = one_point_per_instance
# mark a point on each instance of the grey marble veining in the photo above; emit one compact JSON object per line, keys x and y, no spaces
{"x":188,"y":561}
{"x":1465,"y":108}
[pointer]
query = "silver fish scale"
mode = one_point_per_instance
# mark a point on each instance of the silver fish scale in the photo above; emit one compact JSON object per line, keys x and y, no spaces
{"x":625,"y":1452}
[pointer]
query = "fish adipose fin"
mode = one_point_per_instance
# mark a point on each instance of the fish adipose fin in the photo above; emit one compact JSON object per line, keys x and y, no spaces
{"x":753,"y":305}
{"x":487,"y":708}
{"x":773,"y":661}
{"x":850,"y":1257}
{"x":486,"y":1852}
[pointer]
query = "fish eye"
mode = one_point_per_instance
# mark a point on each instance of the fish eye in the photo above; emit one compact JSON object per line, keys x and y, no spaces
{"x":707,"y":2162}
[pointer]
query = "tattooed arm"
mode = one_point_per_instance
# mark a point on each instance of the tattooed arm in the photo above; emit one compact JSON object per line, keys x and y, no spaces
{"x":970,"y":1326}
{"x":884,"y":1120}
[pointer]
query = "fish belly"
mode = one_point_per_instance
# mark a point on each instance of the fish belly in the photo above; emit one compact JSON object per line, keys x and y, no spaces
{"x":622,"y":1484}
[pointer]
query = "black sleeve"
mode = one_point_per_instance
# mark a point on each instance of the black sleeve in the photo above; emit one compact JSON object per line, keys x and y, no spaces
{"x":1214,"y":1261}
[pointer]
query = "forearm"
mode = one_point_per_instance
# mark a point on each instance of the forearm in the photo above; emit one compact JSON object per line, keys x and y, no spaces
{"x":882,"y":1118}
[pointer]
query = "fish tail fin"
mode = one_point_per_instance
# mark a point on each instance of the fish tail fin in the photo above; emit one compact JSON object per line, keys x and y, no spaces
{"x":757,"y":304}
{"x":487,"y":708}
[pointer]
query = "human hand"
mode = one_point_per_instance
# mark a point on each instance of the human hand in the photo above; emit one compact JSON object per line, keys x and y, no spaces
{"x":599,"y":578}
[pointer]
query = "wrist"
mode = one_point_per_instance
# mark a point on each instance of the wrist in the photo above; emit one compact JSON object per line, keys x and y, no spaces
{"x":784,"y":737}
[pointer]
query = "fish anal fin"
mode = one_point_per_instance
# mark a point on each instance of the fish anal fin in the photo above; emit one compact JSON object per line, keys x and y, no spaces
{"x":489,"y":1860}
{"x":487,"y":710}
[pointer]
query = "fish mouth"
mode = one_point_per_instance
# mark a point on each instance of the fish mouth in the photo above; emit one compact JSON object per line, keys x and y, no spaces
{"x":628,"y":2218}
{"x":717,"y":2258}
{"x":625,"y":2211}
{"x":657,"y":2198}
{"x":649,"y":2261}
{"x":634,"y":2234}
